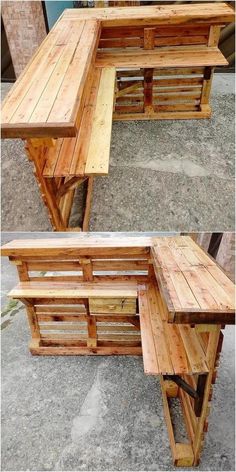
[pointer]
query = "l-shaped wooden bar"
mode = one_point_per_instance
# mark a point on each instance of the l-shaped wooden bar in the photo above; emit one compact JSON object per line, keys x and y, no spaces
{"x":163,"y":298}
{"x":96,"y":65}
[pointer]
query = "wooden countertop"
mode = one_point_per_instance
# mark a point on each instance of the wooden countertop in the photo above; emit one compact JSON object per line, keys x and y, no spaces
{"x":193,"y":287}
{"x":210,"y":13}
{"x":47,"y":97}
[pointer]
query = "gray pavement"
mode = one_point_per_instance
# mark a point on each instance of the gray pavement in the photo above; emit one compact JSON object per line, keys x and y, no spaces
{"x":94,"y":413}
{"x":164,"y":176}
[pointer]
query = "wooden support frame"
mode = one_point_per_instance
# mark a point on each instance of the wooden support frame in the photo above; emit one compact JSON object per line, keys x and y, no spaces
{"x":58,"y":193}
{"x":195,"y":414}
{"x":107,"y":314}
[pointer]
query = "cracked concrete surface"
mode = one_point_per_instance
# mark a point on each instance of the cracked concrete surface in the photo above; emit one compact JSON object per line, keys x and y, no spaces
{"x":164,"y":176}
{"x":95,"y":413}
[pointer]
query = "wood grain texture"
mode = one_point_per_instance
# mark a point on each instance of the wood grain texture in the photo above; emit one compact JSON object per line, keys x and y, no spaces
{"x":167,"y":349}
{"x":166,"y":58}
{"x":191,"y":282}
{"x":47,"y":97}
{"x":209,"y":13}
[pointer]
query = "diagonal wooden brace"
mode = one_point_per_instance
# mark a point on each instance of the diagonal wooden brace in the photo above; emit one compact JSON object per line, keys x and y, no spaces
{"x":196,"y":394}
{"x":70,"y":185}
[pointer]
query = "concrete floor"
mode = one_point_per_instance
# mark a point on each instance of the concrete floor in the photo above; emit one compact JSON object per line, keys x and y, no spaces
{"x":164,"y":176}
{"x":94,"y":413}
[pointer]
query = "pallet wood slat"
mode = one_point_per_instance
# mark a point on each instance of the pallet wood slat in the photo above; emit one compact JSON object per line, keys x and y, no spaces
{"x":186,"y":356}
{"x":169,"y":58}
{"x":76,"y":156}
{"x":88,"y":314}
{"x":157,"y":15}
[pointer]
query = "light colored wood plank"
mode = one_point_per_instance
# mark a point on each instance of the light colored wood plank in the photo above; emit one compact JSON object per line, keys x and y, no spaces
{"x":148,"y":348}
{"x":99,"y":147}
{"x":196,"y":356}
{"x":168,"y":58}
{"x":66,"y":107}
{"x":209,"y":13}
{"x":69,"y":290}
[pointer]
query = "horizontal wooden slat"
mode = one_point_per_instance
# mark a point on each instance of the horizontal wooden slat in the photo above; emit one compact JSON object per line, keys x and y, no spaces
{"x":165,"y":41}
{"x":209,"y":13}
{"x":93,"y":246}
{"x":161,"y":31}
{"x":67,"y":290}
{"x":165,"y":58}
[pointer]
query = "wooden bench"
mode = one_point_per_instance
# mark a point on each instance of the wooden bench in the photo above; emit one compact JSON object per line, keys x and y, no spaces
{"x":64,"y":164}
{"x":166,"y":301}
{"x":88,"y":153}
{"x":167,"y":349}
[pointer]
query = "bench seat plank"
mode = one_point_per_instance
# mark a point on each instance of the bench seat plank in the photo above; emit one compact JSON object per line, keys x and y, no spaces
{"x":167,"y":349}
{"x":197,"y":57}
{"x":88,"y":153}
{"x":67,"y":290}
{"x":99,"y":147}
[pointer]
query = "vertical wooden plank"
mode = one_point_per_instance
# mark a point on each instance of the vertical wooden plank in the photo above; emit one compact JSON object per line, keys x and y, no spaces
{"x":87,"y":269}
{"x":213,"y":39}
{"x":148,"y":43}
{"x":214,"y":36}
{"x":22,"y":270}
{"x":210,"y":359}
{"x":46,"y":186}
{"x":88,"y":203}
{"x":32,"y":319}
{"x":148,"y":90}
{"x":149,"y":38}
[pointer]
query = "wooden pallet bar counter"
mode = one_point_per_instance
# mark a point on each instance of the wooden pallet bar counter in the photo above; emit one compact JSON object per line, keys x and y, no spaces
{"x":96,"y":65}
{"x":162,"y":298}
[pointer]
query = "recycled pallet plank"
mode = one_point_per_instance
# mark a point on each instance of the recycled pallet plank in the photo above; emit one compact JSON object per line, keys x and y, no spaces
{"x":99,"y":147}
{"x":88,"y":153}
{"x":157,"y":58}
{"x":157,"y":15}
{"x":37,"y":290}
{"x":167,"y":349}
